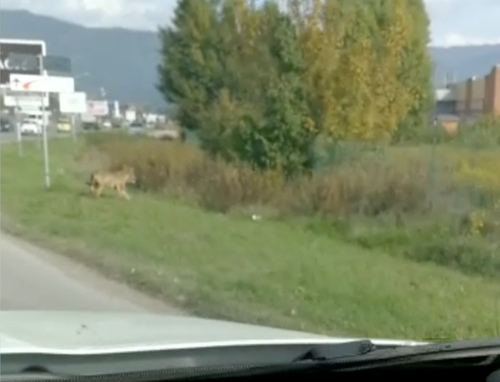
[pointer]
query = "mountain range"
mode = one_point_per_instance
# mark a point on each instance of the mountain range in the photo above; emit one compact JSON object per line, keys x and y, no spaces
{"x":123,"y":62}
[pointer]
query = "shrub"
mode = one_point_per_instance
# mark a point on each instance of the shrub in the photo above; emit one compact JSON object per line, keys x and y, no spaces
{"x":369,"y":186}
{"x":432,"y":203}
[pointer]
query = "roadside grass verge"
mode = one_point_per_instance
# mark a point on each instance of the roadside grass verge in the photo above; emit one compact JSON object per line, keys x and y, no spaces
{"x":228,"y":266}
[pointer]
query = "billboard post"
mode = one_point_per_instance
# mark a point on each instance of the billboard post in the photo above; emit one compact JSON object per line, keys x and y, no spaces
{"x":25,"y":67}
{"x":73,"y":127}
{"x":19,"y":56}
{"x":24,"y":104}
{"x":73,"y":104}
{"x":18,"y":129}
{"x":42,"y":84}
{"x":44,"y":132}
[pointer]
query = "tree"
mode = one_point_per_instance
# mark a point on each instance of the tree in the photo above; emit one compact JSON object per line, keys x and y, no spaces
{"x":186,"y":72}
{"x":263,"y":118}
{"x":261,"y":85}
{"x":321,"y":31}
{"x":354,"y":90}
{"x":416,"y":73}
{"x":284,"y":138}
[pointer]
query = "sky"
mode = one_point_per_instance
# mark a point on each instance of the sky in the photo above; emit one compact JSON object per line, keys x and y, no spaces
{"x":453,"y":22}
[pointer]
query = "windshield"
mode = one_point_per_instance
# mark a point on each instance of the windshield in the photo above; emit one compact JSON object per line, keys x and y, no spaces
{"x":326,"y":167}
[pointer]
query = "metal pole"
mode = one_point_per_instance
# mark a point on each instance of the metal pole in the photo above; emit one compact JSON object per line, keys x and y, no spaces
{"x":44,"y":131}
{"x":73,"y":126}
{"x":18,"y":129}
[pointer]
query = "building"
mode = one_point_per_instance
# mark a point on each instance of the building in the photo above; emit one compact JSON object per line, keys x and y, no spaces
{"x":471,"y":98}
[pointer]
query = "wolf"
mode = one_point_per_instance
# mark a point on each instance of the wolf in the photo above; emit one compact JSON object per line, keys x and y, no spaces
{"x":117,"y":180}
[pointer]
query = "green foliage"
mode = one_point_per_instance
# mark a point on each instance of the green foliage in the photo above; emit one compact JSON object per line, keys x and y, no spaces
{"x":416,"y":74}
{"x":260,"y":85}
{"x":284,"y":137}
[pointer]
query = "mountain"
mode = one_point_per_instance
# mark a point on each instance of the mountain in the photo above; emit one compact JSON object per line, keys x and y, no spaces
{"x":463,"y":62}
{"x":123,"y":61}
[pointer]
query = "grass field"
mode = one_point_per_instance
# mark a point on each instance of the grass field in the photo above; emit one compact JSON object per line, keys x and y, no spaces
{"x":218,"y":265}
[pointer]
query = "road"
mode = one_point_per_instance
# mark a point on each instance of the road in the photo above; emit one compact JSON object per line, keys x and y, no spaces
{"x":11,"y":136}
{"x":35,"y":279}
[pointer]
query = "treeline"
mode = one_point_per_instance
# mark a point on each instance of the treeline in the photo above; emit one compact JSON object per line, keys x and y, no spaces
{"x":265,"y":83}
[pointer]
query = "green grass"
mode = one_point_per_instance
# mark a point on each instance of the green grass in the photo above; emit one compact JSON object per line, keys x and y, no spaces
{"x":232,"y":267}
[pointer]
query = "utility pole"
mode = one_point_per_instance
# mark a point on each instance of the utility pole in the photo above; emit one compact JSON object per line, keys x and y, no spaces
{"x":44,"y":132}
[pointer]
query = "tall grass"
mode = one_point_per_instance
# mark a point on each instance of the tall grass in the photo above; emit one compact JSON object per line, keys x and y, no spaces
{"x":425,"y":202}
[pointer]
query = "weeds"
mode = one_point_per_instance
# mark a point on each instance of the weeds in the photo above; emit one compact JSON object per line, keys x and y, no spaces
{"x":428,"y":203}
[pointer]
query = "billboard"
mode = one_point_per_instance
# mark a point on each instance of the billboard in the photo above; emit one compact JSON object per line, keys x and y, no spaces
{"x":98,"y":108}
{"x":23,"y":100}
{"x":20,"y":57}
{"x":57,"y":65}
{"x":73,"y":103}
{"x":41,"y":84}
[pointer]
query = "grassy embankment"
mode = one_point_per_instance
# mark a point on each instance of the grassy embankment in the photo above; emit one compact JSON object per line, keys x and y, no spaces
{"x":365,"y":249}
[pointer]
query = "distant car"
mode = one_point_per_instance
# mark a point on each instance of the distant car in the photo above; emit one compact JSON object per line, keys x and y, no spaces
{"x":90,"y":126}
{"x":107,"y":124}
{"x":63,"y":126}
{"x":31,"y":127}
{"x":168,"y":135}
{"x":5,"y":125}
{"x":137,"y":124}
{"x":137,"y":128}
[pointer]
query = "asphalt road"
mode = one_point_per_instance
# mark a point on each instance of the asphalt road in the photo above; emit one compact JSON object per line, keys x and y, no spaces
{"x":11,"y":136}
{"x":35,"y":279}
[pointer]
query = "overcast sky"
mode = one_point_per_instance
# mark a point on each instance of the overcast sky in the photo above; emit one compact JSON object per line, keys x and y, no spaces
{"x":454,"y":22}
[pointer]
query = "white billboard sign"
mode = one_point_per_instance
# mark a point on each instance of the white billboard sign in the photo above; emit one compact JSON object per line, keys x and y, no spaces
{"x":30,"y":110}
{"x":98,"y":108}
{"x":73,"y":103}
{"x":25,"y":100}
{"x":41,"y":84}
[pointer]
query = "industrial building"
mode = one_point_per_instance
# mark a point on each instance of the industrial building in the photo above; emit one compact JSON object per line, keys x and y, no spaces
{"x":471,"y":98}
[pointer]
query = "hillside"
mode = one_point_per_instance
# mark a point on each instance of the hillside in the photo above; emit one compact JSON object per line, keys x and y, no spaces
{"x":124,"y":61}
{"x":465,"y":61}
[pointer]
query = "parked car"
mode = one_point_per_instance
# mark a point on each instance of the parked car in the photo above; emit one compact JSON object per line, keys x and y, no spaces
{"x":168,"y":135}
{"x":90,"y":126}
{"x":64,"y":125}
{"x":5,"y":125}
{"x":31,"y":127}
{"x":137,"y":128}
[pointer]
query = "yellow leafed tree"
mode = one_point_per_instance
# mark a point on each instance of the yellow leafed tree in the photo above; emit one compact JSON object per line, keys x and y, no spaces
{"x":352,"y":52}
{"x":392,"y":96}
{"x":321,"y":34}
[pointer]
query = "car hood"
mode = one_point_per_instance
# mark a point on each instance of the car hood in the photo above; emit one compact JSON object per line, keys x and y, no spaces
{"x":88,"y":333}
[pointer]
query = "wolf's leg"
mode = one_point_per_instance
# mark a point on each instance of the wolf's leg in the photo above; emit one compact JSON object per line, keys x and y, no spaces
{"x":99,"y":190}
{"x":93,"y":188}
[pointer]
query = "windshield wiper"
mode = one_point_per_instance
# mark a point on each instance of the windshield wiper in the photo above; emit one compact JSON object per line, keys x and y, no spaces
{"x":337,"y":351}
{"x":373,"y":357}
{"x":364,"y":355}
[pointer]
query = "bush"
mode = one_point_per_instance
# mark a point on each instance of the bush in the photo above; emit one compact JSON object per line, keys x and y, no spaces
{"x":369,"y":186}
{"x":432,"y":203}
